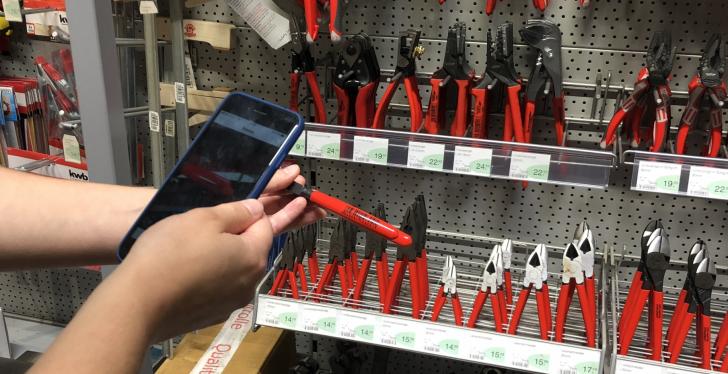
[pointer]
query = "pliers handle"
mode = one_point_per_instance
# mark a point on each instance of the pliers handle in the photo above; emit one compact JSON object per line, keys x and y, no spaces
{"x":562,"y":309}
{"x":697,"y":92}
{"x":480,"y":115}
{"x":382,"y":276}
{"x":283,"y":276}
{"x":497,"y":302}
{"x":440,"y":302}
{"x":541,"y":4}
{"x":327,"y":278}
{"x":395,"y":285}
{"x":318,"y":103}
{"x":543,"y":306}
{"x":413,"y":97}
{"x":640,"y":88}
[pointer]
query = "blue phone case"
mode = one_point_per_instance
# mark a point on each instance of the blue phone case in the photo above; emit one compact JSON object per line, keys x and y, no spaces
{"x":265,"y":176}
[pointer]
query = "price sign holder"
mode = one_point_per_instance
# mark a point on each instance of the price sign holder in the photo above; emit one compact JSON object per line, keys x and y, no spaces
{"x":633,"y":365}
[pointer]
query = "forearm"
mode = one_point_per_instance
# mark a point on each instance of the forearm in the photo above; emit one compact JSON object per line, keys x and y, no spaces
{"x":51,"y":222}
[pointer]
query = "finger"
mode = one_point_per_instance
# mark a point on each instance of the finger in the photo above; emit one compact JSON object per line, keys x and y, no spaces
{"x":274,"y":203}
{"x":237,"y":216}
{"x":258,"y":238}
{"x":287,"y":215}
{"x":310,"y":215}
{"x":283,"y":178}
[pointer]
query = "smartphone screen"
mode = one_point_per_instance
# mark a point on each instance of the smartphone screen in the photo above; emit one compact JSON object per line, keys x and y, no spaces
{"x":232,"y":158}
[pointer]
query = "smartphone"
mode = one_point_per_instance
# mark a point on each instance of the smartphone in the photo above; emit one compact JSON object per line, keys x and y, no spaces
{"x":233,"y":157}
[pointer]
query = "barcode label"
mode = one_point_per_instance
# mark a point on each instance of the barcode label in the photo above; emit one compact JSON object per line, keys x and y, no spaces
{"x":478,"y":357}
{"x":432,"y":349}
{"x":310,"y":328}
{"x":179,"y":92}
{"x":169,"y":128}
{"x":153,"y":121}
{"x":348,"y":334}
{"x":520,"y":364}
{"x":388,"y":341}
{"x":567,"y":371}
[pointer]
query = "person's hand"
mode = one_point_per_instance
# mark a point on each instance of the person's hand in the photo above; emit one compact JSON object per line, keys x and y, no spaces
{"x":279,"y":204}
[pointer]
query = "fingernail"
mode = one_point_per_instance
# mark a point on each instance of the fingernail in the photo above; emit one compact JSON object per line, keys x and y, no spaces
{"x":254,"y":206}
{"x":292,"y":169}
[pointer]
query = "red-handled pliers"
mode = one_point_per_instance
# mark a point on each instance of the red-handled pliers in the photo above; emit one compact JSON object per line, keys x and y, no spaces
{"x":720,"y":344}
{"x":351,"y":262}
{"x":651,"y":89}
{"x":491,"y":285}
{"x":309,"y":245}
{"x":682,"y":301}
{"x":698,"y":299}
{"x":337,"y":262}
{"x":708,"y":82}
{"x":420,"y":211}
{"x":584,"y":241}
{"x":450,"y":94}
{"x":355,"y":81}
{"x":406,"y":262}
{"x":572,"y":278}
{"x":448,"y":288}
{"x":536,"y":276}
{"x":287,"y":268}
{"x":507,"y":252}
{"x":374,"y":250}
{"x":408,"y":52}
{"x":656,"y":260}
{"x":302,"y":63}
{"x":544,"y":36}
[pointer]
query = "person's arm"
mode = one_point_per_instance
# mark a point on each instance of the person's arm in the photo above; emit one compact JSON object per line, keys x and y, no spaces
{"x":52,"y":222}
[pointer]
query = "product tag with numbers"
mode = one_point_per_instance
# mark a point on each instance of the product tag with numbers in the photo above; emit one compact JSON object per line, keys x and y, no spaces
{"x":319,"y":319}
{"x":169,"y":128}
{"x":299,"y":149}
{"x":579,"y":361}
{"x":323,"y":144}
{"x":708,"y":182}
{"x":396,"y":332}
{"x":71,"y":149}
{"x":484,"y":348}
{"x":148,"y":7}
{"x":153,"y":121}
{"x":658,"y":177}
{"x":630,"y":367}
{"x":277,"y":313}
{"x":428,"y":156}
{"x":529,"y":166}
{"x":472,"y":160}
{"x":180,"y":91}
{"x":441,"y":340}
{"x":529,"y":356}
{"x":357,"y":326}
{"x":371,"y":150}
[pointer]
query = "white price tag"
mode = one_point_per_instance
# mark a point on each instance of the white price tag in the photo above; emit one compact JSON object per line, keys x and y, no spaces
{"x":71,"y":149}
{"x":484,"y":348}
{"x":153,"y":121}
{"x":180,"y":92}
{"x":277,"y":313}
{"x":319,"y":319}
{"x":299,"y":149}
{"x":708,"y":182}
{"x":427,"y":156}
{"x":530,"y":166}
{"x":630,"y":367}
{"x":371,"y":150}
{"x":576,"y":361}
{"x":169,"y":128}
{"x":658,"y":177}
{"x":442,"y":340}
{"x":529,"y":356}
{"x":12,"y":10}
{"x":396,"y":333}
{"x":357,"y":326}
{"x":266,"y":18}
{"x":148,"y":7}
{"x":471,"y":160}
{"x":323,"y":144}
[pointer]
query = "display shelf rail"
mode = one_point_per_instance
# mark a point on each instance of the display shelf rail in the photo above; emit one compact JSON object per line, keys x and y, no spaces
{"x":485,"y":158}
{"x":344,"y":318}
{"x":702,"y":177}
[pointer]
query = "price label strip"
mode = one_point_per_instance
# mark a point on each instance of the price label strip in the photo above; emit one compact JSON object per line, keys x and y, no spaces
{"x":578,"y":362}
{"x":357,"y":326}
{"x":396,"y":333}
{"x":319,"y":319}
{"x":484,"y":348}
{"x":530,"y":166}
{"x":473,"y":161}
{"x":371,"y":150}
{"x":708,"y":182}
{"x":427,"y":156}
{"x":441,"y":340}
{"x":530,"y":356}
{"x":278,"y":313}
{"x":299,"y":149}
{"x":658,"y":177}
{"x":323,"y":145}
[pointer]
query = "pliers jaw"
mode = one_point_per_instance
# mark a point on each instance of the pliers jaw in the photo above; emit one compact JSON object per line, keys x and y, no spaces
{"x":375,"y":245}
{"x":536,"y":268}
{"x":586,"y":246}
{"x":408,"y":52}
{"x":500,"y":55}
{"x":455,"y":64}
{"x":573,"y":267}
{"x":656,"y":262}
{"x":712,"y":62}
{"x":660,"y":57}
{"x":493,"y":272}
{"x":546,"y":37}
{"x":338,"y":242}
{"x":448,"y":280}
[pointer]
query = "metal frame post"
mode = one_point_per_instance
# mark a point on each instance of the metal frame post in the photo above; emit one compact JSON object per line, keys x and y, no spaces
{"x":179,"y":74}
{"x":152,"y":64}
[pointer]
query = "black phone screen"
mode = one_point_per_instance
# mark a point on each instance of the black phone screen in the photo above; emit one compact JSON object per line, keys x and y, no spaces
{"x":228,"y":161}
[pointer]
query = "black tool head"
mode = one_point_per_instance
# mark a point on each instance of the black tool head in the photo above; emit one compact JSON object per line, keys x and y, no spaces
{"x":500,"y":55}
{"x":357,"y":63}
{"x":660,"y":57}
{"x":455,"y":64}
{"x":409,"y":226}
{"x":338,"y":243}
{"x":420,"y":208}
{"x":288,"y":254}
{"x":546,"y":37}
{"x":655,"y":264}
{"x":375,"y":244}
{"x":408,"y":52}
{"x":712,"y":62}
{"x":309,"y":239}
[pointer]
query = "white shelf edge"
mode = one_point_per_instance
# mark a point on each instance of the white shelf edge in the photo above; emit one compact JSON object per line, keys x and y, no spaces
{"x":634,"y":365}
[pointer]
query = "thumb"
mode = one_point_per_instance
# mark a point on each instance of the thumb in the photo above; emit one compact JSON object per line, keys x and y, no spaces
{"x":237,"y":216}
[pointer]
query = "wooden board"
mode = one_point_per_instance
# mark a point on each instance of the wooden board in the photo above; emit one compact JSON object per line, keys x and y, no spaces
{"x":218,"y":35}
{"x":197,"y":100}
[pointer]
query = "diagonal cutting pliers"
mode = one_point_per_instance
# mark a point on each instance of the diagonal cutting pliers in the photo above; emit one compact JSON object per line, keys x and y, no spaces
{"x":572,"y":278}
{"x":406,"y":262}
{"x":309,"y":245}
{"x":708,"y":82}
{"x":409,"y":51}
{"x":448,"y":289}
{"x":337,"y":262}
{"x":303,"y":64}
{"x":584,"y":241}
{"x":374,"y":250}
{"x":681,"y":305}
{"x":544,"y":36}
{"x":507,"y":252}
{"x":420,"y":210}
{"x":286,"y":268}
{"x":491,"y":286}
{"x":356,"y":79}
{"x":535,"y":277}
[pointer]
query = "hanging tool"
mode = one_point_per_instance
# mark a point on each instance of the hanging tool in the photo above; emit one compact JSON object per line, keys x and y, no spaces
{"x":355,"y":81}
{"x":351,"y":262}
{"x":720,"y":344}
{"x":448,"y":288}
{"x":420,"y":211}
{"x":584,"y":241}
{"x":651,"y":90}
{"x":544,"y":36}
{"x":374,"y":249}
{"x":406,"y":262}
{"x":656,"y":260}
{"x":338,"y":254}
{"x":302,"y":63}
{"x":681,"y":305}
{"x":698,"y":299}
{"x":299,"y":252}
{"x":449,"y":99}
{"x":572,"y":277}
{"x":352,"y":214}
{"x":541,"y":4}
{"x":286,"y":268}
{"x":536,"y":276}
{"x":312,"y":11}
{"x":507,"y":252}
{"x":708,"y":82}
{"x":491,"y":285}
{"x":409,"y":51}
{"x":309,"y":245}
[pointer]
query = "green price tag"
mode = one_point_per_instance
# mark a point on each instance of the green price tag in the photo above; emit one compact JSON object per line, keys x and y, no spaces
{"x":450,"y":346}
{"x":332,"y":150}
{"x":538,"y":172}
{"x":405,"y":339}
{"x":668,"y":183}
{"x":539,"y":362}
{"x":378,"y":155}
{"x":480,"y":167}
{"x":718,"y":189}
{"x":327,"y":324}
{"x":365,"y":332}
{"x":288,"y":319}
{"x":433,"y":161}
{"x":299,"y":149}
{"x":495,"y":355}
{"x":587,"y":368}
